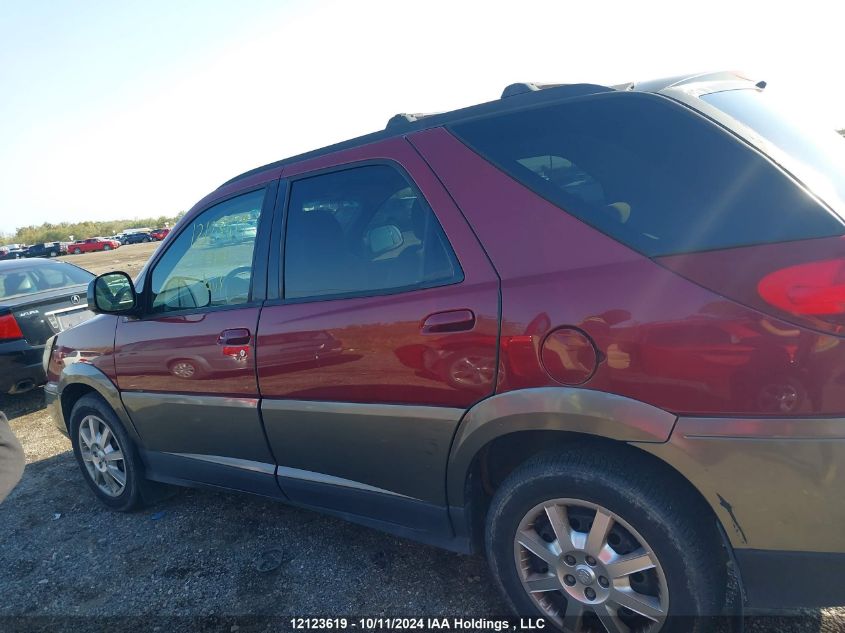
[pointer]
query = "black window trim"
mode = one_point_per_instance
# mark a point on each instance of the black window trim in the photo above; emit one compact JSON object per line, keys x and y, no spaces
{"x":279,"y":249}
{"x":258,"y":281}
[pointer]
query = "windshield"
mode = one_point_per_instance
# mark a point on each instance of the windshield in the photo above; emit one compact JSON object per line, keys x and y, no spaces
{"x":29,"y":280}
{"x":814,"y":155}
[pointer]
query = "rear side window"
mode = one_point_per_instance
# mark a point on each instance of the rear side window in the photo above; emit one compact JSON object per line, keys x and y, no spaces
{"x":363,"y":231}
{"x":649,"y":173}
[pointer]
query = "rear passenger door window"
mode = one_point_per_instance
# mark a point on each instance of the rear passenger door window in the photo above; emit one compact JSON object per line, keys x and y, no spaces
{"x":360,"y":232}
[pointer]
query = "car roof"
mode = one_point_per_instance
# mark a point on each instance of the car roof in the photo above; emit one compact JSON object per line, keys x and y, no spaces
{"x":514,"y":97}
{"x":11,"y":264}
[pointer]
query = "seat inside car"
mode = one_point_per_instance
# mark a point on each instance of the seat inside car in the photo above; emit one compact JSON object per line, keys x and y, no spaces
{"x":17,"y":283}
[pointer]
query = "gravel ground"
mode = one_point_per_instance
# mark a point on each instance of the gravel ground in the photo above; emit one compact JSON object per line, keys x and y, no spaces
{"x":204,"y":560}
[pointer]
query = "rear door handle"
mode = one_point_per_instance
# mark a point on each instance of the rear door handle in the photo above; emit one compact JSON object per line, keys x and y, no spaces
{"x":448,"y":321}
{"x":235,"y":343}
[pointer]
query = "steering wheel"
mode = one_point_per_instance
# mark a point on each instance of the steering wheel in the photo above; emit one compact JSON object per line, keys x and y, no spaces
{"x":121,"y":294}
{"x":236,"y":286}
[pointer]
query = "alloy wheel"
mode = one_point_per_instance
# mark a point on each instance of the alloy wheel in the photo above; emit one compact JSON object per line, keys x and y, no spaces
{"x":102,"y":455}
{"x":589,"y":570}
{"x":183,"y":369}
{"x":473,"y":371}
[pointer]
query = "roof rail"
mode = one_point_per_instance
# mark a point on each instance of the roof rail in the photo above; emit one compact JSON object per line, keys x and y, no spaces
{"x":526,"y":86}
{"x":402,"y":119}
{"x":656,"y":85}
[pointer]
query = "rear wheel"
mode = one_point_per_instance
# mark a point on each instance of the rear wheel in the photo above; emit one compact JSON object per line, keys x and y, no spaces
{"x":595,"y":546}
{"x":105,"y":454}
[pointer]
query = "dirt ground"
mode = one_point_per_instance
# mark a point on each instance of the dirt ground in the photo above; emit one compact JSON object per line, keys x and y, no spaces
{"x":204,"y":560}
{"x":130,"y":259}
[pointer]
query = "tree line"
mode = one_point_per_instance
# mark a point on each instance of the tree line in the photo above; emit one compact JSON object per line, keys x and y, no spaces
{"x":62,"y":232}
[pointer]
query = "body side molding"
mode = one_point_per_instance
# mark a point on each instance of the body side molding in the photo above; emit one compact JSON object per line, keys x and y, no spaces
{"x":551,"y":409}
{"x":284,"y":472}
{"x":243,"y":464}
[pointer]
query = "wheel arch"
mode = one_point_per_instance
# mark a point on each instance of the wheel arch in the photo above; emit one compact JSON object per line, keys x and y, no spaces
{"x":583,"y":412}
{"x":80,"y":379}
{"x":500,"y":433}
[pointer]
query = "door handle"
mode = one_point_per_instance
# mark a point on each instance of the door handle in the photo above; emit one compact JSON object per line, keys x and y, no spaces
{"x":235,"y":343}
{"x":448,"y":321}
{"x":236,"y":336}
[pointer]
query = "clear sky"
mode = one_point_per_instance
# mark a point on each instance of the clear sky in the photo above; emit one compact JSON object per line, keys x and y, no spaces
{"x":132,"y":109}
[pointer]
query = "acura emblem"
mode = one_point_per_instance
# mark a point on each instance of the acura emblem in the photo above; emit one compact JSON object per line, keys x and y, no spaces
{"x":74,"y":299}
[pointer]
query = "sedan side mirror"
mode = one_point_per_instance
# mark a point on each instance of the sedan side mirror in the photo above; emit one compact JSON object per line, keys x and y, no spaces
{"x":112,"y":293}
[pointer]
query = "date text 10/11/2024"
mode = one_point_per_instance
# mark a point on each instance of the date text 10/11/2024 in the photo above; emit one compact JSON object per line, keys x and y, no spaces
{"x":382,"y":623}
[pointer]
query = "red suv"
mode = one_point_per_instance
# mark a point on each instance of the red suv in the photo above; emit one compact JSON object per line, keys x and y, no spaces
{"x":594,"y":332}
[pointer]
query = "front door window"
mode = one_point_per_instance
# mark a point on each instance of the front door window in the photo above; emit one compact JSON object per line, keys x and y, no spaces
{"x":210,"y":262}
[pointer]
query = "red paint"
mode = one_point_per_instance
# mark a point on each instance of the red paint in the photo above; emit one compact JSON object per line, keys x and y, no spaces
{"x":698,"y":334}
{"x":92,"y":245}
{"x":184,"y":354}
{"x":663,"y":339}
{"x":374,"y":349}
{"x":568,"y":356}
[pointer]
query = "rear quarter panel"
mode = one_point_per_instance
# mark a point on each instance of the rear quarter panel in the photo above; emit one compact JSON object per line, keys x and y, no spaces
{"x":661,"y":339}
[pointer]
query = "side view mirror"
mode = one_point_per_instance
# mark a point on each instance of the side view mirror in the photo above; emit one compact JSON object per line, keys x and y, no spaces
{"x":112,"y":293}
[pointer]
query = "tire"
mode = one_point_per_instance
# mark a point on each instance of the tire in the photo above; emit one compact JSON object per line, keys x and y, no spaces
{"x":77,"y":251}
{"x":648,"y":520}
{"x":92,"y":412}
{"x":146,"y":239}
{"x":106,"y":247}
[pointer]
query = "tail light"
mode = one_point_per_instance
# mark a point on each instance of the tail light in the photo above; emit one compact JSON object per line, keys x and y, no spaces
{"x":9,"y":328}
{"x":800,"y":282}
{"x":54,"y":362}
{"x":813,"y":289}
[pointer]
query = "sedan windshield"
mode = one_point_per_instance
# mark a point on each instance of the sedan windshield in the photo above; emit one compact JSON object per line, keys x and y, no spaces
{"x":814,"y":155}
{"x":21,"y":280}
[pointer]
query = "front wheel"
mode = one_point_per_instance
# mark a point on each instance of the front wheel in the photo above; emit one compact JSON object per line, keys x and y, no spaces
{"x":105,"y":454}
{"x":595,"y":546}
{"x":77,"y":251}
{"x":106,"y":247}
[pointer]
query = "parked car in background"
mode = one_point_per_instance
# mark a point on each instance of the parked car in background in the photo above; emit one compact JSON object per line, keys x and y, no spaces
{"x":92,"y":244}
{"x":159,"y":234}
{"x":12,"y":251}
{"x":47,"y":249}
{"x":595,"y":332}
{"x":37,"y":300}
{"x":136,"y":238}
